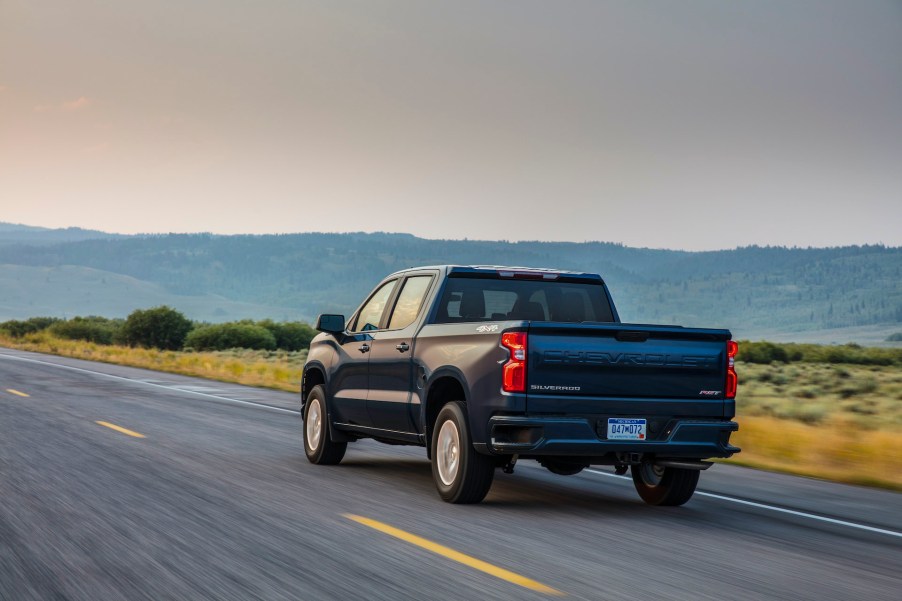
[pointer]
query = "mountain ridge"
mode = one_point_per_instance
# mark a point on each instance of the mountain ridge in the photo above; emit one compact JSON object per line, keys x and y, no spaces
{"x":753,"y":290}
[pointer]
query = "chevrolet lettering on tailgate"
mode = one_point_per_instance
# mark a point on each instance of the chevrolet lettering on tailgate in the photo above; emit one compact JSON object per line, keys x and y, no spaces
{"x":605,"y":358}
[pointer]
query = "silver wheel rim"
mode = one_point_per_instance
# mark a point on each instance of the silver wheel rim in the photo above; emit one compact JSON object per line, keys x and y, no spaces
{"x":652,"y":474}
{"x":313,"y":424}
{"x":447,"y":453}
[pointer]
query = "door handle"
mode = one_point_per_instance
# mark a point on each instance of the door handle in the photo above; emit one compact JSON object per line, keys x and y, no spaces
{"x":364,"y":348}
{"x":403,"y":347}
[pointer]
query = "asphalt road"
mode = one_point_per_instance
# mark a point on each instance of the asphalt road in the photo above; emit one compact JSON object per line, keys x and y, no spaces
{"x":217,"y":501}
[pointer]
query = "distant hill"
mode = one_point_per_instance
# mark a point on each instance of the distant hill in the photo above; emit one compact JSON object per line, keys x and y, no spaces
{"x":18,"y":227}
{"x":70,"y":290}
{"x":16,"y":233}
{"x":824,"y":294}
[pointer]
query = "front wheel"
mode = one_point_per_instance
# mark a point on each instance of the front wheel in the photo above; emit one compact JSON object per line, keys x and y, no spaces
{"x":461,"y":474}
{"x":318,"y":444}
{"x":664,"y":485}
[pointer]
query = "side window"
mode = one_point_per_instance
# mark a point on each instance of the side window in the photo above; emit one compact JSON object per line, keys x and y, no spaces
{"x":371,"y":313}
{"x":476,"y":303}
{"x":409,"y":301}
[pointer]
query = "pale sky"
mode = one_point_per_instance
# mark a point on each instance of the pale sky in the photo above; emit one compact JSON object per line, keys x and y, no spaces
{"x":694,"y":124}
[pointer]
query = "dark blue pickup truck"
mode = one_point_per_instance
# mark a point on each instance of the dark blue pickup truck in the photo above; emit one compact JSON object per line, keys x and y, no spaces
{"x":485,"y":365}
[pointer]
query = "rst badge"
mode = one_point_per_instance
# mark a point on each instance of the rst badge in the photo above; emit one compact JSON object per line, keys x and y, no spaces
{"x":487,"y":329}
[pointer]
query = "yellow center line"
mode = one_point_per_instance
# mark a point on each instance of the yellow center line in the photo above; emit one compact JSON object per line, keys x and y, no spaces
{"x":17,"y":393}
{"x":476,"y":564}
{"x":121,"y":429}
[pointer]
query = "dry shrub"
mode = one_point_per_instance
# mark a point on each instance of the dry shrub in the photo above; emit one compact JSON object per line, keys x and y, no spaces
{"x":837,"y":450}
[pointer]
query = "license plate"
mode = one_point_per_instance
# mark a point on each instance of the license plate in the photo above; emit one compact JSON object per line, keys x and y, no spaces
{"x":626,"y":429}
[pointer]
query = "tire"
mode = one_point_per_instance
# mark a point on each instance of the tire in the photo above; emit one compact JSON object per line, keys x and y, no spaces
{"x":664,"y":485}
{"x":318,"y":444}
{"x":461,"y":474}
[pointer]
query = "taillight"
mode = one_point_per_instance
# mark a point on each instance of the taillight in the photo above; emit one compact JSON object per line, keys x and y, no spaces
{"x":732,"y":378}
{"x":514,"y":379}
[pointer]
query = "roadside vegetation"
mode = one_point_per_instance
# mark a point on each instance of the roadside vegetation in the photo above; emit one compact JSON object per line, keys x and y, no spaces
{"x":276,"y":369}
{"x":839,"y":421}
{"x":163,"y":328}
{"x":262,"y":353}
{"x":831,"y":412}
{"x":770,"y":352}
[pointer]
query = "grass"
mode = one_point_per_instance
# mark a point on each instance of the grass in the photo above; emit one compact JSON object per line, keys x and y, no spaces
{"x":840,"y":422}
{"x":838,"y":451}
{"x":280,"y":370}
{"x":860,"y":397}
{"x":834,"y":421}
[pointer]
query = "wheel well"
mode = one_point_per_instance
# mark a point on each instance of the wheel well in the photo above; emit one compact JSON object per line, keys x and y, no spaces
{"x":442,"y":391}
{"x":313,"y":377}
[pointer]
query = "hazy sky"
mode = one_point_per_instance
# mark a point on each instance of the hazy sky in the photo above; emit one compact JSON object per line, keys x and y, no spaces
{"x":692,"y":124}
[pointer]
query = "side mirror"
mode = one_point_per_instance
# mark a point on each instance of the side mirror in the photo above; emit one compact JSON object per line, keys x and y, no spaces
{"x":330,"y":323}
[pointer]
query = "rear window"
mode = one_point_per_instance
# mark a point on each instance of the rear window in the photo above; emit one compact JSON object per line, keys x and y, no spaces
{"x":480,"y":299}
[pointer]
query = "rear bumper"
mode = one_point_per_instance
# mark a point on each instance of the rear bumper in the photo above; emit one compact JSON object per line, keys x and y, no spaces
{"x":558,"y":436}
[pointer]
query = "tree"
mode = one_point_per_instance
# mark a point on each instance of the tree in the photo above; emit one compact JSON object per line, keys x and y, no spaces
{"x":160,"y":327}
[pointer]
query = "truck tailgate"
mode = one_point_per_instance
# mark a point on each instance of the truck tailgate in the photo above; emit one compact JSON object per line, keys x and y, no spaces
{"x":581,"y":366}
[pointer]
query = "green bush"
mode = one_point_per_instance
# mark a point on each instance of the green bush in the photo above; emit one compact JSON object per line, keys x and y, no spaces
{"x":290,"y":335}
{"x":222,"y":336}
{"x":761,"y":352}
{"x":807,"y":413}
{"x":808,"y":392}
{"x":160,"y":327}
{"x":842,"y":374}
{"x":92,"y":329}
{"x":17,"y":329}
{"x":768,"y":352}
{"x":14,"y":328}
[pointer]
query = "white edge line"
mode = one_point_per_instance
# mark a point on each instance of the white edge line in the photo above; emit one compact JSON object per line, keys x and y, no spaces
{"x":810,"y":516}
{"x":169,"y":388}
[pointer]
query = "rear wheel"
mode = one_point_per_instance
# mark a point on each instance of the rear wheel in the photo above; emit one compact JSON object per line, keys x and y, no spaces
{"x":664,"y":485}
{"x":461,"y":474}
{"x":318,"y":444}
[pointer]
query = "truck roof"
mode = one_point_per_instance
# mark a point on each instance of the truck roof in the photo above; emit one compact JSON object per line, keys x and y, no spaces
{"x":509,"y":271}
